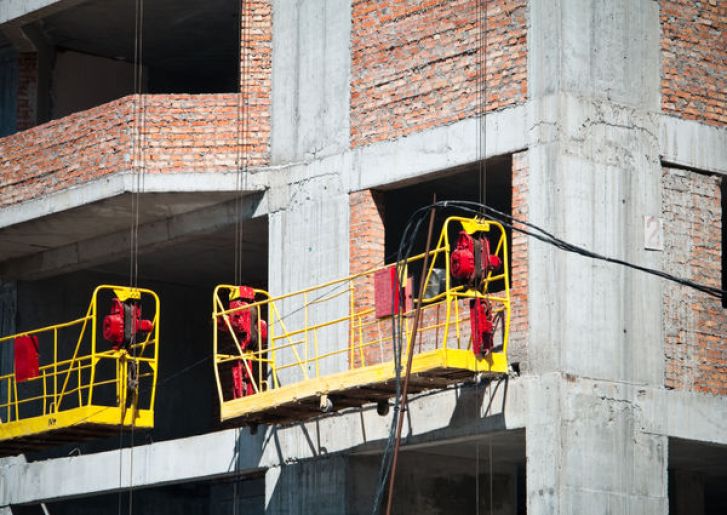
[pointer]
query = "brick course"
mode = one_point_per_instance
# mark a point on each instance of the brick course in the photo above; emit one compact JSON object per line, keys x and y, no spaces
{"x":182,"y":133}
{"x":694,"y":59}
{"x":415,"y":64}
{"x":695,"y":324}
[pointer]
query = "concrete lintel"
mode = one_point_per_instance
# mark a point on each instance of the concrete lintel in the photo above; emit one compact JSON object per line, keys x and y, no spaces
{"x":693,"y":144}
{"x":26,"y":11}
{"x":123,"y":182}
{"x":686,"y":415}
{"x":437,"y":149}
{"x":453,"y":413}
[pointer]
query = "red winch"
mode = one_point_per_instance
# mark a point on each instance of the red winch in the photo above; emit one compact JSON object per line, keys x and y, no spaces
{"x":470,"y":262}
{"x":249,"y":331}
{"x":124,"y":322}
{"x":471,"y":259}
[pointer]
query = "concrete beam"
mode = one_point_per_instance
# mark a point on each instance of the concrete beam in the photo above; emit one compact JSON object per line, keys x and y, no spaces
{"x":123,"y":182}
{"x":693,"y":145}
{"x":452,"y":413}
{"x":437,"y":149}
{"x":686,"y":415}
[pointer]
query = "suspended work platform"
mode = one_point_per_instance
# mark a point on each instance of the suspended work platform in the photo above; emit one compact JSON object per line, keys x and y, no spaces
{"x":82,"y":379}
{"x":291,"y":357}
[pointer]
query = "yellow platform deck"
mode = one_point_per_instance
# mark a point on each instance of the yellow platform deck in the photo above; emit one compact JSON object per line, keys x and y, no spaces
{"x":73,"y":425}
{"x":353,"y":388}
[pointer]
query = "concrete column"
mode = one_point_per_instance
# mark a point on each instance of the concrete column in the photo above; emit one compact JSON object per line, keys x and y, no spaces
{"x":595,"y":328}
{"x":309,"y":245}
{"x":310,"y":79}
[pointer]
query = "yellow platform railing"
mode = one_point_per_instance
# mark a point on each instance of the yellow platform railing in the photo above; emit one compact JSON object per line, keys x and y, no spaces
{"x":81,"y":379}
{"x":332,"y":328}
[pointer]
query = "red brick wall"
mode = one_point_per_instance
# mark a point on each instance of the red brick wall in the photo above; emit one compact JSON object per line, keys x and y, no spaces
{"x":695,"y":324}
{"x":366,"y":251}
{"x":519,"y":265}
{"x":256,"y":68}
{"x":27,"y":102}
{"x":415,"y":64}
{"x":694,"y":59}
{"x":182,"y":133}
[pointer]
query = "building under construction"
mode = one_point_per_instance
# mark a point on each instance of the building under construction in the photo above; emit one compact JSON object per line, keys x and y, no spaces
{"x":347,"y":256}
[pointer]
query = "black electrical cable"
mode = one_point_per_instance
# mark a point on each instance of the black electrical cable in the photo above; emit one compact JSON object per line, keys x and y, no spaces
{"x":547,"y":237}
{"x":404,"y":250}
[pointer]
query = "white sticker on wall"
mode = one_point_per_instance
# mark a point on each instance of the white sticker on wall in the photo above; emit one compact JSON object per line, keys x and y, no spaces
{"x":653,"y":233}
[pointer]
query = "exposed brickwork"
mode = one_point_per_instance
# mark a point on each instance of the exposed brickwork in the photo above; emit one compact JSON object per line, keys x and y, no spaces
{"x":27,"y":102}
{"x":182,"y":133}
{"x":367,"y":251}
{"x":415,"y":64}
{"x":519,"y":266}
{"x":695,"y":324}
{"x":694,"y":59}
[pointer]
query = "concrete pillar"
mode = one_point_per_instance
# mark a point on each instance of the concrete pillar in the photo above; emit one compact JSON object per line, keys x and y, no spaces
{"x":310,"y":78}
{"x":595,"y":336}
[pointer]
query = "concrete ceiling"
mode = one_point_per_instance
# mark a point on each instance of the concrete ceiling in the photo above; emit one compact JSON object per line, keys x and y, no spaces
{"x":92,"y":220}
{"x":179,"y":36}
{"x":508,"y":448}
{"x":204,"y":260}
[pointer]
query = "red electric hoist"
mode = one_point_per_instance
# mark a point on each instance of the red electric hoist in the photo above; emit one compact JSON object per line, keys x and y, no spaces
{"x":470,"y":263}
{"x":122,"y":325}
{"x":249,"y":333}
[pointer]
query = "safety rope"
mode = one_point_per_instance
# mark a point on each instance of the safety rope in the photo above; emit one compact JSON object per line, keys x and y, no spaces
{"x":131,"y":379}
{"x":241,"y":157}
{"x":482,"y":21}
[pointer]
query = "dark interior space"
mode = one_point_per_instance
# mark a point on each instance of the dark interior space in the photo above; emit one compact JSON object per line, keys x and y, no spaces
{"x":183,"y":275}
{"x":186,"y":46}
{"x":8,"y":88}
{"x":697,"y":475}
{"x":239,"y":495}
{"x":464,"y":183}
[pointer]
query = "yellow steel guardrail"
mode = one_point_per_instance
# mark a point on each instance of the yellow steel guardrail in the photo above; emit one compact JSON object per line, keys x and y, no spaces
{"x":328,"y":337}
{"x":81,"y":378}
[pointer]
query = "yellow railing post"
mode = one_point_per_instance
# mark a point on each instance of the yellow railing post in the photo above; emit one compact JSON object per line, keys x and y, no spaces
{"x":55,"y":369}
{"x":94,"y":328}
{"x":351,"y":324}
{"x":305,"y":326}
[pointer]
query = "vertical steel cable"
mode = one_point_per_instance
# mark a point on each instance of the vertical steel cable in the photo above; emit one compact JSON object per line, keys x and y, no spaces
{"x":241,"y":158}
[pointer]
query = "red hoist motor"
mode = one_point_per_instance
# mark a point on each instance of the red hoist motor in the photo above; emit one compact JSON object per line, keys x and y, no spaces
{"x":470,"y":262}
{"x":123,"y":323}
{"x":249,"y":332}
